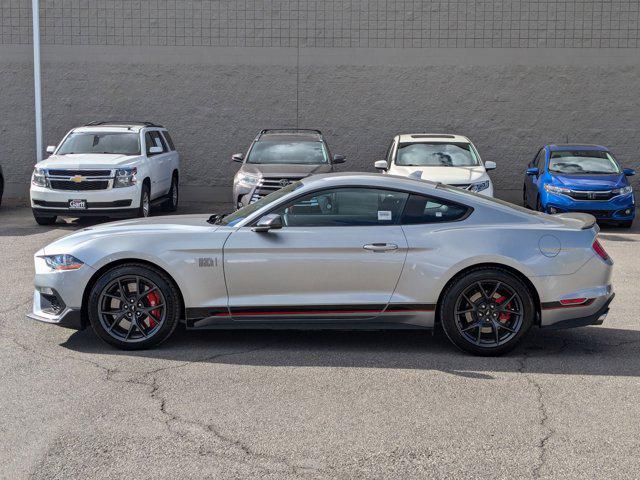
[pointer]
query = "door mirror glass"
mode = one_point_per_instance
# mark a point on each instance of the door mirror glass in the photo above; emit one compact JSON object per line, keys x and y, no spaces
{"x":629,"y":172}
{"x":533,"y":171}
{"x":490,"y":165}
{"x":381,"y":165}
{"x":273,"y":221}
{"x":51,"y":148}
{"x":154,"y":150}
{"x":237,"y":157}
{"x":337,"y":158}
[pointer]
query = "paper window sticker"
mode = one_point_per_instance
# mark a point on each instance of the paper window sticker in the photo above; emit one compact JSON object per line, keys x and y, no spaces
{"x":384,"y":215}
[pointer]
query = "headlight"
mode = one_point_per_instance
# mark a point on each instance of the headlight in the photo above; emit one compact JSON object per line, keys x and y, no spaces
{"x":623,"y":191}
{"x":558,"y":190}
{"x":125,"y":177}
{"x":62,"y":262}
{"x":39,"y":177}
{"x":245,"y":180}
{"x":478,"y":187}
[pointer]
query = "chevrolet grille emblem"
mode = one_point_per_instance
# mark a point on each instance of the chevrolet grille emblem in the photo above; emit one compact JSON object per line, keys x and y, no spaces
{"x":78,"y":179}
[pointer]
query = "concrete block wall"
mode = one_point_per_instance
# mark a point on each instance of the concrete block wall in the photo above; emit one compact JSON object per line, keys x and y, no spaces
{"x":512,"y":75}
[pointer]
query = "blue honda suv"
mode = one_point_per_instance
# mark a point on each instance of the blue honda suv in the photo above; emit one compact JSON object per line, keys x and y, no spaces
{"x":580,"y":178}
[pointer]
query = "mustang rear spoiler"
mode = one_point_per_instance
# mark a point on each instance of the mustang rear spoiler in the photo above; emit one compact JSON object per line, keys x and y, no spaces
{"x":583,"y":221}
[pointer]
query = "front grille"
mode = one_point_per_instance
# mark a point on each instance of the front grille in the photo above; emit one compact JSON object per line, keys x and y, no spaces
{"x":592,"y":195}
{"x":269,"y":185}
{"x":600,"y":213}
{"x":84,"y":173}
{"x":79,"y":186}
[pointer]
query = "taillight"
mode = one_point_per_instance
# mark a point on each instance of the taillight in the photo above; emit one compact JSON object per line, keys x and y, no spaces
{"x":573,"y":301}
{"x":599,"y":249}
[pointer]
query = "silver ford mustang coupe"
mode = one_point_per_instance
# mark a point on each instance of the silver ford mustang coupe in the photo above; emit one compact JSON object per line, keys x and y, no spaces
{"x":337,"y":251}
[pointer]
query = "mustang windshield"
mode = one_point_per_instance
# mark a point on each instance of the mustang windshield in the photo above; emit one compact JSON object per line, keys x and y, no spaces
{"x":239,"y":215}
{"x":582,"y":161}
{"x":293,"y":152}
{"x":101,"y":142}
{"x":436,"y":155}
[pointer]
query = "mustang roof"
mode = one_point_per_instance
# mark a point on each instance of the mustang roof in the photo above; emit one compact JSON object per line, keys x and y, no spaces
{"x":370,"y":179}
{"x":576,"y":146}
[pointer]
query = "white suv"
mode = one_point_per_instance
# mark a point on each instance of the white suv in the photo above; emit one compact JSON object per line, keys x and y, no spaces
{"x":110,"y":169}
{"x":448,"y":159}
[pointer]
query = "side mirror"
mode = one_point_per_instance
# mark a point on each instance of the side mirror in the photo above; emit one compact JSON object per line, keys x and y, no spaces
{"x":273,"y":221}
{"x":51,"y":148}
{"x":533,"y":171}
{"x":629,"y":172}
{"x":381,"y":165}
{"x":337,"y":158}
{"x":155,"y":149}
{"x":237,"y":157}
{"x":489,"y":165}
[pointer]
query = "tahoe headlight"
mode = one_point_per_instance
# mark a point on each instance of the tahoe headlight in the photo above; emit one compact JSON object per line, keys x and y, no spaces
{"x":478,"y":187}
{"x":125,"y":177}
{"x":39,"y":177}
{"x":246,"y":180}
{"x":623,"y":191}
{"x":62,"y":262}
{"x":557,"y":190}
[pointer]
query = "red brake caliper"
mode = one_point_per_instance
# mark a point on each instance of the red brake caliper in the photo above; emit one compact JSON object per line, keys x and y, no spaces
{"x":153,"y":300}
{"x":504,"y":316}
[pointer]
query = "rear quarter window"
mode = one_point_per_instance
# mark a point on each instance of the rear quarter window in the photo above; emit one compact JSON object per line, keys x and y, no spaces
{"x":422,"y":209}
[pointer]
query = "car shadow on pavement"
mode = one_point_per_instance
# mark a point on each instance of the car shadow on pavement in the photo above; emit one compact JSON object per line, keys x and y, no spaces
{"x":584,"y":351}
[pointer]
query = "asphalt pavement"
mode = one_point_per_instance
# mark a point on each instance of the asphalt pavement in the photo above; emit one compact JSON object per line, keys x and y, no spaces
{"x":280,"y":405}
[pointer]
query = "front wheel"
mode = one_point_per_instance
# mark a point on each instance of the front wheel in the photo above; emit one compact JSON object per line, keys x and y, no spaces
{"x":145,"y":202}
{"x":134,"y":306}
{"x":171,"y":204}
{"x":487,"y":311}
{"x":44,"y":219}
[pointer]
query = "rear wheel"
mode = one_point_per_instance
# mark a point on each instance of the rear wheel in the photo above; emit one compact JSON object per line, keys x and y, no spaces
{"x":44,"y":220}
{"x":487,"y":311}
{"x":171,"y":204}
{"x":134,"y":306}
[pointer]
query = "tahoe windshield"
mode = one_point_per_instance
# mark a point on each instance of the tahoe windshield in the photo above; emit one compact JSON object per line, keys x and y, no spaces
{"x":582,"y":161}
{"x":239,"y":215}
{"x":436,"y":155}
{"x":101,"y":142}
{"x":271,"y":151}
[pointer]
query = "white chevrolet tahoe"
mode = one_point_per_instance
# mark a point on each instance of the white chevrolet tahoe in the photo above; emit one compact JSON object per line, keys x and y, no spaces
{"x":110,"y":169}
{"x":449,"y":159}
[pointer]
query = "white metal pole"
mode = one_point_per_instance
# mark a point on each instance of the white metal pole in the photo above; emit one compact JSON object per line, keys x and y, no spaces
{"x":36,"y":76}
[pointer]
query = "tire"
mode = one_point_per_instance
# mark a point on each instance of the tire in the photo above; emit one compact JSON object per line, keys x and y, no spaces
{"x":138,"y":325}
{"x":171,"y":205}
{"x":144,"y":210}
{"x":44,"y":220}
{"x":524,"y":198}
{"x":480,"y":315}
{"x":626,"y":224}
{"x":539,"y":207}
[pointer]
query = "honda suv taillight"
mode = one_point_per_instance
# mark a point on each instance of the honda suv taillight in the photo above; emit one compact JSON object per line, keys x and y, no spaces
{"x":599,"y":249}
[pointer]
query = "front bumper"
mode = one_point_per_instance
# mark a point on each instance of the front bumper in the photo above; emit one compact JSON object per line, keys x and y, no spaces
{"x":109,"y":202}
{"x":620,"y":208}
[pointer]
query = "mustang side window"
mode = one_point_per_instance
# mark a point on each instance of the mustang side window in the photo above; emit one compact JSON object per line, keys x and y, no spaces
{"x":341,"y":207}
{"x":421,"y":209}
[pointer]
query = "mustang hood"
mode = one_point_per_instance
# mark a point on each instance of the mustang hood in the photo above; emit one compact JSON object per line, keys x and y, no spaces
{"x":591,"y":181}
{"x":280,"y":170}
{"x":174,"y":224}
{"x":447,"y":175}
{"x":77,"y":161}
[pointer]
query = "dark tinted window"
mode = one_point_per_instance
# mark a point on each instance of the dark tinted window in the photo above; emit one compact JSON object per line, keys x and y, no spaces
{"x":341,"y":207}
{"x":154,"y":139}
{"x":420,"y":209}
{"x":169,"y":140}
{"x":288,"y":152}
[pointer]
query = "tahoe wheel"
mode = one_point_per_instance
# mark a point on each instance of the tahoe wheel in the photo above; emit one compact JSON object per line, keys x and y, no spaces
{"x":487,"y":311}
{"x":171,"y":205}
{"x":134,"y":306}
{"x":45,"y":220}
{"x":145,"y":202}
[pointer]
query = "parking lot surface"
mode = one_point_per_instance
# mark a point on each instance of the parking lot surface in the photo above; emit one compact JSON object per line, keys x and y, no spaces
{"x":279,"y":404}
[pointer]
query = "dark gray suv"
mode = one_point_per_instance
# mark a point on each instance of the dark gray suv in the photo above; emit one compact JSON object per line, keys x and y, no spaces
{"x":278,"y":157}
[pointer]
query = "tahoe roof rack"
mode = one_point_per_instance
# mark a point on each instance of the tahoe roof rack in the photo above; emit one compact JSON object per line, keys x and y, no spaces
{"x":432,"y":135}
{"x":123,"y":123}
{"x":289,"y":131}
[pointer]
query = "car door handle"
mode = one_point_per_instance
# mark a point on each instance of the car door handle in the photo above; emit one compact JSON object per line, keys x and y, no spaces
{"x":380,"y":247}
